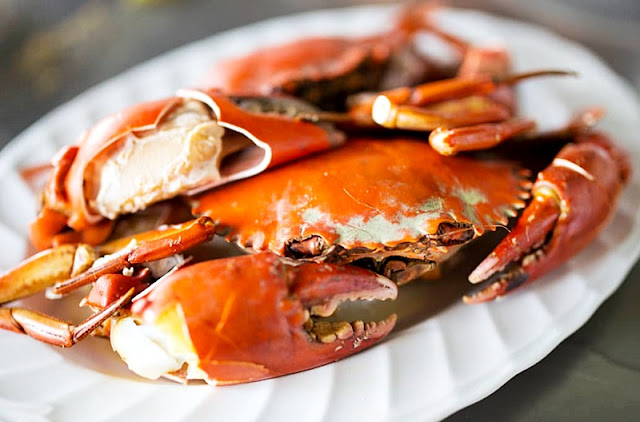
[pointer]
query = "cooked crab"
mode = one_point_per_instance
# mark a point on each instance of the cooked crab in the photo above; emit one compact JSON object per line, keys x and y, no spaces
{"x":386,"y":201}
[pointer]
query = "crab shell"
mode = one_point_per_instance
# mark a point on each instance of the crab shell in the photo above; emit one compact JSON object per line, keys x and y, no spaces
{"x":337,"y":66}
{"x":269,"y":139}
{"x":373,"y":198}
{"x":247,"y":318}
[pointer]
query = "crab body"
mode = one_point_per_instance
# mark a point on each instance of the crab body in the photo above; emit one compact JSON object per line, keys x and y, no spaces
{"x":392,"y":201}
{"x":338,"y":66}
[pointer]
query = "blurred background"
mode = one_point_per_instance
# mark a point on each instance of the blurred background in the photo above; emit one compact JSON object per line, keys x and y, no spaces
{"x":51,"y":51}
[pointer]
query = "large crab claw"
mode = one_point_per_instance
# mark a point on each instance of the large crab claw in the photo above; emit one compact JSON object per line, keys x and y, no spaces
{"x":247,"y":318}
{"x":573,"y":199}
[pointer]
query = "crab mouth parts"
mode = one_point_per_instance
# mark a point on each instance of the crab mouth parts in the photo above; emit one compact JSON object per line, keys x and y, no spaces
{"x":401,"y":263}
{"x":315,"y":247}
{"x":399,"y":269}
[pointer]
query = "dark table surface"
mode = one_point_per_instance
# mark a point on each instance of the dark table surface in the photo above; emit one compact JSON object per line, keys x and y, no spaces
{"x":52,"y":51}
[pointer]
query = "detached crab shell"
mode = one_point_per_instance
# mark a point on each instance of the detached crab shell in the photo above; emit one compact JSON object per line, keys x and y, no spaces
{"x":181,"y":145}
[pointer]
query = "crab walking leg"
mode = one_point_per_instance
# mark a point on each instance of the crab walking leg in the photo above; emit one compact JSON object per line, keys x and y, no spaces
{"x":455,"y":113}
{"x":573,"y":199}
{"x":248,"y":318}
{"x":198,"y":231}
{"x":69,"y":266}
{"x":53,"y":330}
{"x":450,"y":141}
{"x":460,"y":87}
{"x":45,"y":269}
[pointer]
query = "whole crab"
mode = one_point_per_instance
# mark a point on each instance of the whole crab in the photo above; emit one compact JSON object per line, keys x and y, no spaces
{"x":336,"y":225}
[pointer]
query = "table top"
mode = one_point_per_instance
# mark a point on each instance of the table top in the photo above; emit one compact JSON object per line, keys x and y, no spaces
{"x":52,"y":51}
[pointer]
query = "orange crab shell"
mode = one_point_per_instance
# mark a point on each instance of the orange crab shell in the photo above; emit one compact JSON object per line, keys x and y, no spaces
{"x":376,"y":194}
{"x":282,"y":138}
{"x":285,"y":68}
{"x":104,"y":134}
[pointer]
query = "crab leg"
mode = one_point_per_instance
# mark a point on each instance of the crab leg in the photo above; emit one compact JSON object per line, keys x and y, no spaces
{"x":460,"y":101}
{"x":448,"y":141}
{"x":455,"y":113}
{"x":173,"y":242}
{"x":69,"y":266}
{"x":460,"y":87}
{"x":52,"y":330}
{"x":45,"y":269}
{"x":573,"y":199}
{"x":477,"y":137}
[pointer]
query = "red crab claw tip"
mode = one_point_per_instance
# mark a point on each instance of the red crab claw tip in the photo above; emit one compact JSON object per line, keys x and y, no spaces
{"x":321,"y":288}
{"x":507,"y":266}
{"x":574,"y":198}
{"x":541,"y":216}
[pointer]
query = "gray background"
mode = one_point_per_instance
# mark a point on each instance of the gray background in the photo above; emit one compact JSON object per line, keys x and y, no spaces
{"x":50,"y":51}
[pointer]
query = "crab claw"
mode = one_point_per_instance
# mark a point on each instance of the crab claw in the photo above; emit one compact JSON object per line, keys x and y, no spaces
{"x":573,"y":199}
{"x":247,"y":318}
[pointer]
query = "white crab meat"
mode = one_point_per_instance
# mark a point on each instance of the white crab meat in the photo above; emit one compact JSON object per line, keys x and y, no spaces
{"x":186,"y":151}
{"x":151,"y":351}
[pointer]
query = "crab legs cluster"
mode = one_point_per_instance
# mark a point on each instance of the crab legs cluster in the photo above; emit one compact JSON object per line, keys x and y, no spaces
{"x":338,"y":203}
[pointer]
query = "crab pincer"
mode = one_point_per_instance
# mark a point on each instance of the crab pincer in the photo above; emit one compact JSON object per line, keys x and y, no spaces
{"x":573,"y":200}
{"x":248,"y":318}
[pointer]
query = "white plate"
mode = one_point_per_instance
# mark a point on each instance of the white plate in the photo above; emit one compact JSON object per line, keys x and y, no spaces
{"x":435,"y":364}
